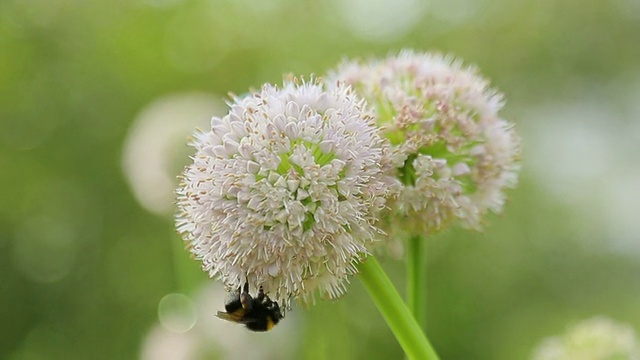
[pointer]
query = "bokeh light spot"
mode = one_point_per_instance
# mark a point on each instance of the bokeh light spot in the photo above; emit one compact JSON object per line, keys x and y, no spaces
{"x":156,"y":137}
{"x":177,"y":313}
{"x":380,"y":20}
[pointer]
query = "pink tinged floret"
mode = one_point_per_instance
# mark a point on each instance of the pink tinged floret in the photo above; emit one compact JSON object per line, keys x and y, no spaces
{"x":454,"y":154}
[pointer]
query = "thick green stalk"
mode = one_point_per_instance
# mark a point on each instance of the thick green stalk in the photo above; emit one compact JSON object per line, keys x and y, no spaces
{"x":405,"y":328}
{"x":416,"y":279}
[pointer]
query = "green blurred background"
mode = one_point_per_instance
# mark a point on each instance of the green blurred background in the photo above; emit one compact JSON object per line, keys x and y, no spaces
{"x":98,"y":97}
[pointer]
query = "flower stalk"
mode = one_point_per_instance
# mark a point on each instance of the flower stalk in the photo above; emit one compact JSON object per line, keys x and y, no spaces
{"x":404,"y":327}
{"x":416,"y":279}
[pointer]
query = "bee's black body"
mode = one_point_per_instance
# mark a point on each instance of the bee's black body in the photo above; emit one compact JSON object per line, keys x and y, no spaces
{"x":257,"y":314}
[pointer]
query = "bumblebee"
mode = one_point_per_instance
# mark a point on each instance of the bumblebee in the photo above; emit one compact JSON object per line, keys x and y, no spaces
{"x":257,"y":314}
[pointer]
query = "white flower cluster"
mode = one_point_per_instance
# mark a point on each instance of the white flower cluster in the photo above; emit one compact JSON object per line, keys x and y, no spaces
{"x":598,"y":338}
{"x":452,"y":153}
{"x":281,"y":191}
{"x":288,"y":189}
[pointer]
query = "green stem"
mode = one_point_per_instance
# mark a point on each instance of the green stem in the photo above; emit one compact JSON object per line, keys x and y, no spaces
{"x":416,"y":279}
{"x":405,"y":328}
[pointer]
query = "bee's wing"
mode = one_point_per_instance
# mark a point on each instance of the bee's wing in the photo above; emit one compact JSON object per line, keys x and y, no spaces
{"x":233,"y":317}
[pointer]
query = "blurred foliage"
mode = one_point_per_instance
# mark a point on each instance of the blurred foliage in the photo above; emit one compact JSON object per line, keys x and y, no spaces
{"x":83,"y":266}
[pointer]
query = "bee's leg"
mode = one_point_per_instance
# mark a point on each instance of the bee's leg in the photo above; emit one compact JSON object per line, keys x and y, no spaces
{"x":261,"y":296}
{"x":245,"y":297}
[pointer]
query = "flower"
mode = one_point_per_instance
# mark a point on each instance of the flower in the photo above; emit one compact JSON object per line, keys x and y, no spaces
{"x":598,"y":338}
{"x":451,"y":152}
{"x":282,"y":190}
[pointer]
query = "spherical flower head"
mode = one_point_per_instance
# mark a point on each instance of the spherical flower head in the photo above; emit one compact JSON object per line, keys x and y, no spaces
{"x":451,"y":152}
{"x":282,"y":190}
{"x":599,"y":338}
